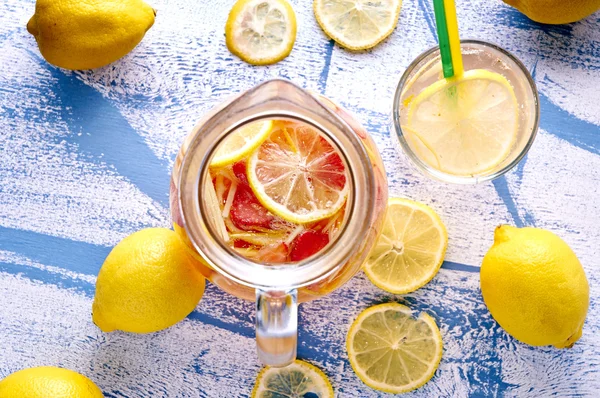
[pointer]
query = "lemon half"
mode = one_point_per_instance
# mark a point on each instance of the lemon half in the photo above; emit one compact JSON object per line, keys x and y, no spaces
{"x":392,"y":351}
{"x":410,"y":249}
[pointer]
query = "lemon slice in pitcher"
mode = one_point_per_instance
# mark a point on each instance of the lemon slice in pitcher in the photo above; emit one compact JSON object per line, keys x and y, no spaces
{"x":299,"y":379}
{"x":410,"y":249}
{"x":241,"y":143}
{"x":392,"y":351}
{"x":261,"y":32}
{"x":470,"y":123}
{"x":298,"y":175}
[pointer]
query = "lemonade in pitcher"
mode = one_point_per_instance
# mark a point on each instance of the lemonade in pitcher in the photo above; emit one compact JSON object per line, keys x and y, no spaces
{"x":280,"y":188}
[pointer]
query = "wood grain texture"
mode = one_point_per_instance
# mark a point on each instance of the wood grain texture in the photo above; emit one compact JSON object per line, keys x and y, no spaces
{"x":85,"y":160}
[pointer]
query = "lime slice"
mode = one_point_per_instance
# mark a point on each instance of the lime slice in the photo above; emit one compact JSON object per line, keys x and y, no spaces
{"x":391,"y":351}
{"x":261,"y":32}
{"x":357,"y":24}
{"x":240,"y":143}
{"x":300,"y":379}
{"x":298,"y":175}
{"x":469,"y":123}
{"x":410,"y":249}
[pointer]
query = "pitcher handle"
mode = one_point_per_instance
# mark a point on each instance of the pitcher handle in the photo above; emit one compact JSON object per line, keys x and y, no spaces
{"x":276,"y":326}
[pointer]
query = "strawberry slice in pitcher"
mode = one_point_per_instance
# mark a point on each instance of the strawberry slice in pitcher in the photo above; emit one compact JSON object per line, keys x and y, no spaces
{"x":308,"y":243}
{"x":239,"y":169}
{"x":246,"y":211}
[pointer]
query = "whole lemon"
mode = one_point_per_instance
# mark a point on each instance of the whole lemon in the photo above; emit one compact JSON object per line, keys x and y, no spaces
{"x":75,"y":34}
{"x":148,"y":282}
{"x":555,"y":11}
{"x":535,"y":287}
{"x":48,"y":381}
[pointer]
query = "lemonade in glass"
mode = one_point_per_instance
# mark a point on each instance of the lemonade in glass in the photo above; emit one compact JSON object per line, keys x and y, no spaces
{"x":471,"y":128}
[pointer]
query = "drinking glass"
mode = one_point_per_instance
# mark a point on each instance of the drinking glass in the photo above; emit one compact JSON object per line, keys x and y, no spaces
{"x":426,"y":69}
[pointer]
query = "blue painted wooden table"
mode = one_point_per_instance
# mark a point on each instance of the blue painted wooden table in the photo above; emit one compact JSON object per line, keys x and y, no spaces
{"x":85,"y":159}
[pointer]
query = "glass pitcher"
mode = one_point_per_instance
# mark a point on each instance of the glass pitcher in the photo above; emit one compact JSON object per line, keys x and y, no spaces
{"x":278,"y":288}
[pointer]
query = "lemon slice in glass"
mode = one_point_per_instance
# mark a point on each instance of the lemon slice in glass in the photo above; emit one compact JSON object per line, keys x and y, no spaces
{"x":261,"y":32}
{"x":410,"y":249}
{"x":299,"y":379}
{"x":241,"y":142}
{"x":298,"y":175}
{"x":357,"y":24}
{"x":470,"y":123}
{"x":392,"y":351}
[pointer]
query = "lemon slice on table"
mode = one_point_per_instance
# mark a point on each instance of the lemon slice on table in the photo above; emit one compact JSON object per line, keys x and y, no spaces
{"x":410,"y":249}
{"x":357,"y":24}
{"x":241,"y":142}
{"x":261,"y":32}
{"x":299,"y":379}
{"x":298,"y":175}
{"x":470,"y":123}
{"x":392,"y":351}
